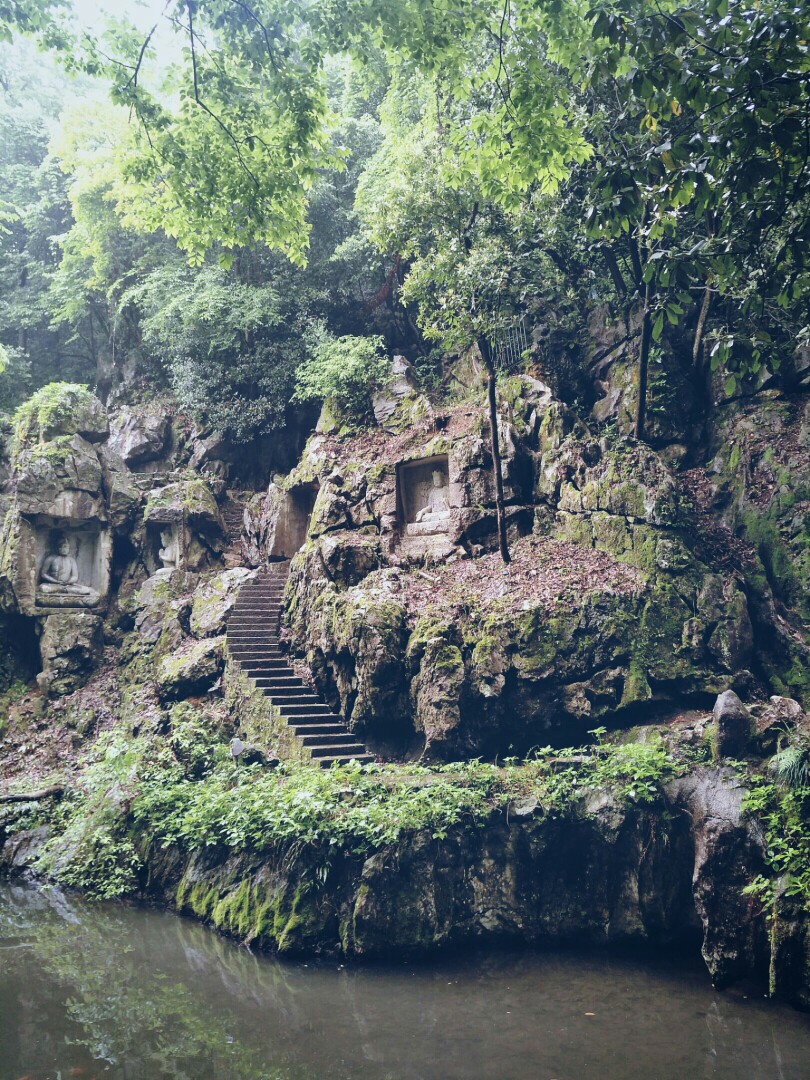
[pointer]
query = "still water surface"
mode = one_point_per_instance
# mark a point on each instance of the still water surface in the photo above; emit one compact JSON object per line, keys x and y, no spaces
{"x":114,"y":992}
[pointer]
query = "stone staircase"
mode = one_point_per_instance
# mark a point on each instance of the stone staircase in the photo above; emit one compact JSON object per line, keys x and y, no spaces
{"x":253,"y":641}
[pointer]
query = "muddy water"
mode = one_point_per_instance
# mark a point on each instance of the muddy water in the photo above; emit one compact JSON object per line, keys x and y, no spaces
{"x":126,"y":993}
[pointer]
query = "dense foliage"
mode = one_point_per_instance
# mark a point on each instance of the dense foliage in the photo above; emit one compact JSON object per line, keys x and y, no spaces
{"x":187,"y":791}
{"x":459,"y":169}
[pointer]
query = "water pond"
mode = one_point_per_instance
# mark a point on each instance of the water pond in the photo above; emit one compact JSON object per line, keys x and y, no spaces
{"x":128,"y":993}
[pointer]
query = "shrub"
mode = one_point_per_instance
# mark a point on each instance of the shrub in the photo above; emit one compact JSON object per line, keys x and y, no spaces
{"x":344,"y":371}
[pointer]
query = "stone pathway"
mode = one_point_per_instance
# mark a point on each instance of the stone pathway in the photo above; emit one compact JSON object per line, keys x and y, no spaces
{"x":253,"y":641}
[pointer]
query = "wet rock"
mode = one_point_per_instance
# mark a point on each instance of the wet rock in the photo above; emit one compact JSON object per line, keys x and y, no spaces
{"x":191,"y":670}
{"x":214,"y":599}
{"x":729,"y":854}
{"x":733,"y":726}
{"x":139,"y":436}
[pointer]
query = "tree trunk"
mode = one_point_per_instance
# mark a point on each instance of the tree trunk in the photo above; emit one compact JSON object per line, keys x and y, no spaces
{"x":643,"y":363}
{"x":34,"y":796}
{"x":486,"y":356}
{"x":701,"y":325}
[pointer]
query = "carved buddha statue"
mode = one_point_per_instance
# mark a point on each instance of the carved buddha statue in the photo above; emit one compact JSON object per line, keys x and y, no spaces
{"x":169,"y":553}
{"x":434,"y":516}
{"x":437,"y":507}
{"x":59,"y":584}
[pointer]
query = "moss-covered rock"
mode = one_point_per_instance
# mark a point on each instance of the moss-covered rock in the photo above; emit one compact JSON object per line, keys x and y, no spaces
{"x":71,"y":647}
{"x":214,"y":599}
{"x":57,"y":410}
{"x":191,"y":670}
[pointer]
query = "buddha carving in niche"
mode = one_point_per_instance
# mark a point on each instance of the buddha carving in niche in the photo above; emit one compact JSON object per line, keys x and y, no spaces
{"x":59,"y":584}
{"x":169,"y":553}
{"x":434,"y":516}
{"x":437,"y":508}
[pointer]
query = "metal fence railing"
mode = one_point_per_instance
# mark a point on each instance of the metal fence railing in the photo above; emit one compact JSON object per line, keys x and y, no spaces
{"x":510,"y":344}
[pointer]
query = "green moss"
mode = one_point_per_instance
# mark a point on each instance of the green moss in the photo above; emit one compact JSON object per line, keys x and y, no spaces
{"x":296,"y":919}
{"x":55,"y":452}
{"x":49,"y":408}
{"x":764,"y":534}
{"x":636,"y":687}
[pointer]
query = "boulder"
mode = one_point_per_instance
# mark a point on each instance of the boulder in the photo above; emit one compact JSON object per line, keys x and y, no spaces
{"x":139,"y":436}
{"x":71,"y":647}
{"x":192,"y":669}
{"x":733,"y":726}
{"x":190,"y":500}
{"x":399,"y":404}
{"x":162,"y":607}
{"x":62,"y":409}
{"x":61,"y":479}
{"x":775,"y":721}
{"x":728,"y":856}
{"x":214,"y":600}
{"x":210,"y":452}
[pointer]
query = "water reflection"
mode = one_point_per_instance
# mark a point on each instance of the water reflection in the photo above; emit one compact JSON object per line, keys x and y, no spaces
{"x":131,"y":994}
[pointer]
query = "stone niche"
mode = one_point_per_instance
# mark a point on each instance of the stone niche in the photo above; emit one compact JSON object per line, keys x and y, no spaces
{"x":425,"y":497}
{"x":292,"y":523}
{"x":78,"y":558}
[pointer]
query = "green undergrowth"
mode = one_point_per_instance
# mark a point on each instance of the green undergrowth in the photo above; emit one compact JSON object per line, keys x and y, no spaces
{"x":780,"y":800}
{"x":185,"y":790}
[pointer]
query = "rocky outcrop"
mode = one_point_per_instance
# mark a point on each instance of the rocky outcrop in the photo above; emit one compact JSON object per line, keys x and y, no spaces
{"x":214,"y":600}
{"x":71,"y":494}
{"x":139,"y":436}
{"x":603,"y":872}
{"x":71,"y":648}
{"x":463,"y":669}
{"x":192,"y":669}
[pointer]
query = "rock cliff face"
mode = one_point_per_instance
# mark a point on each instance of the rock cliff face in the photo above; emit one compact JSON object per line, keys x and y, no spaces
{"x":602,"y":873}
{"x":637,"y":588}
{"x":615,"y":605}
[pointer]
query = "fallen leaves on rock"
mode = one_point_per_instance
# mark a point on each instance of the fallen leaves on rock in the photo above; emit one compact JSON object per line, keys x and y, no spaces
{"x":543,"y":573}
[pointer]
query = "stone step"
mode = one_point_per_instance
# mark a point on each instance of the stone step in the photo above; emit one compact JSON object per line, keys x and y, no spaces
{"x":256,"y":662}
{"x":246,"y":656}
{"x":286,"y":692}
{"x":282,"y":682}
{"x":253,"y":640}
{"x":252,"y":624}
{"x":341,"y":755}
{"x":257,"y":608}
{"x":331,"y":738}
{"x":242,"y":622}
{"x":304,"y":709}
{"x":313,"y":723}
{"x":281,"y":697}
{"x":256,"y":648}
{"x":267,"y":611}
{"x":323,"y":732}
{"x":280,"y":677}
